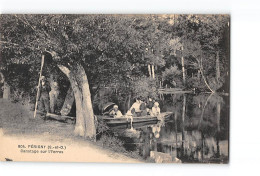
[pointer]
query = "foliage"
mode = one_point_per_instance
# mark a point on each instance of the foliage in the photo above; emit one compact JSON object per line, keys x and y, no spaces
{"x":173,"y":76}
{"x":145,"y":87}
{"x":102,"y":128}
{"x":116,"y":49}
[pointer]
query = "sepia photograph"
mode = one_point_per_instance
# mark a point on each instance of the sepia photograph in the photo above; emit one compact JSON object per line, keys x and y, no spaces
{"x":115,"y":88}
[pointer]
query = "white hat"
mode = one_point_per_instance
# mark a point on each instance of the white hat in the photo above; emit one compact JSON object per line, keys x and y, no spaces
{"x":156,"y":104}
{"x":43,"y":78}
{"x":115,"y":106}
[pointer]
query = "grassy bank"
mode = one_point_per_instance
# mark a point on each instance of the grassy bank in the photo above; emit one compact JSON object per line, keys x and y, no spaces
{"x":17,"y":122}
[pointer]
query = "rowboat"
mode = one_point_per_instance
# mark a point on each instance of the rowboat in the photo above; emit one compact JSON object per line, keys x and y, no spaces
{"x":110,"y":121}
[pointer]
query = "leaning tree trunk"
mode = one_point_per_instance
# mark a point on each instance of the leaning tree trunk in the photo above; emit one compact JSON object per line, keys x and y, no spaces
{"x":87,"y":103}
{"x":68,"y":102}
{"x":85,"y":125}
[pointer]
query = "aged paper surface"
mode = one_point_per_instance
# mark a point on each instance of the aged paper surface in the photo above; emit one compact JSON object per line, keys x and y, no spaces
{"x":115,"y":88}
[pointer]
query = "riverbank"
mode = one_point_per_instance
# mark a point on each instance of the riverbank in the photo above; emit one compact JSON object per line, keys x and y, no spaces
{"x":23,"y":138}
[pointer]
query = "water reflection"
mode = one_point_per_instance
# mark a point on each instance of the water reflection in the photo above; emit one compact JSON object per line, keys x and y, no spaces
{"x":197,"y":132}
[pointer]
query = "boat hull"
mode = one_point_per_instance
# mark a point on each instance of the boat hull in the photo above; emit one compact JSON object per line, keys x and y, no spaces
{"x":127,"y":120}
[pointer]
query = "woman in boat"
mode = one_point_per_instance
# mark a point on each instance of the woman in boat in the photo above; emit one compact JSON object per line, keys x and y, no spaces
{"x":155,"y":110}
{"x":116,"y":113}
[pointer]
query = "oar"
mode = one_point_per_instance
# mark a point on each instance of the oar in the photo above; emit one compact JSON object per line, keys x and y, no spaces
{"x":38,"y":88}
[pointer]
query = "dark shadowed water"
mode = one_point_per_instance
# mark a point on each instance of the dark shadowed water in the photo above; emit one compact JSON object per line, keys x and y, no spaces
{"x":198,"y":131}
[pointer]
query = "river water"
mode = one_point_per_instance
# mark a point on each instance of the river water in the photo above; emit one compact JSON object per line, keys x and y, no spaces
{"x":198,"y":131}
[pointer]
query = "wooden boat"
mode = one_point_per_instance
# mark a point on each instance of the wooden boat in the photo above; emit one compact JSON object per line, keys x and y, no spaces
{"x":128,"y":120}
{"x":134,"y":125}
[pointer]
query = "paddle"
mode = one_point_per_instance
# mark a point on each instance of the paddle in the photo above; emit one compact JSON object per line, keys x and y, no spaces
{"x":38,"y":88}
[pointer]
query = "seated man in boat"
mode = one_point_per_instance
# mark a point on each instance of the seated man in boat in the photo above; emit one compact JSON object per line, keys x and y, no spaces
{"x":116,"y":113}
{"x":135,"y":108}
{"x":155,"y":110}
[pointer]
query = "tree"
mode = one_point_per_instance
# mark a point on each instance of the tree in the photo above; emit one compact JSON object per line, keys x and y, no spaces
{"x":94,"y":51}
{"x":26,"y":37}
{"x":100,"y":46}
{"x":203,"y":38}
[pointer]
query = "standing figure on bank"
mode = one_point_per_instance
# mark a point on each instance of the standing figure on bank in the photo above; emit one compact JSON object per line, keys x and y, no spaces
{"x":54,"y":93}
{"x":44,"y":95}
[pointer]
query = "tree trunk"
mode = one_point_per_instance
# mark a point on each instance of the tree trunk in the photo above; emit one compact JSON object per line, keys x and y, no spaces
{"x":67,"y":105}
{"x":85,"y":125}
{"x":198,"y":76}
{"x":153,"y":74}
{"x":7,"y":91}
{"x":176,"y":132}
{"x":183,"y":123}
{"x":149,"y":70}
{"x":128,"y":103}
{"x":218,"y":122}
{"x":217,"y":67}
{"x":218,"y":114}
{"x":87,"y":103}
{"x":183,"y":70}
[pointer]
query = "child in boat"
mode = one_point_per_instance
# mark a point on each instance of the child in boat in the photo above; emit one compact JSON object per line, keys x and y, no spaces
{"x":116,"y":113}
{"x":155,"y":110}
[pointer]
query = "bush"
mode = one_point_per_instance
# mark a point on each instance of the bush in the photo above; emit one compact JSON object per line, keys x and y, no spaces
{"x":112,"y":143}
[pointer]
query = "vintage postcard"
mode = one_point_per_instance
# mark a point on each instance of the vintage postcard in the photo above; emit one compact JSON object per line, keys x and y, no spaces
{"x":115,"y":88}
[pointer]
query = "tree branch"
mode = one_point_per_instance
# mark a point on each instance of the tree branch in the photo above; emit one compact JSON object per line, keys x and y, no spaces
{"x":202,"y":74}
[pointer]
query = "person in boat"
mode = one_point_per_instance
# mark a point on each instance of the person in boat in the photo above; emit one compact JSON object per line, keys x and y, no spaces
{"x":44,"y":95}
{"x":143,"y":109}
{"x":150,"y":103}
{"x":135,"y":108}
{"x":155,"y":110}
{"x":116,"y":113}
